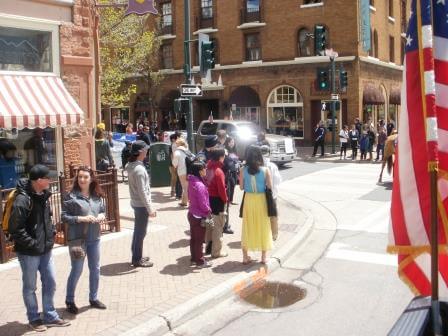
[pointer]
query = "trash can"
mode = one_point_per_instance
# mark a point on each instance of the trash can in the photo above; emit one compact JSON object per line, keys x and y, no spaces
{"x":159,"y":161}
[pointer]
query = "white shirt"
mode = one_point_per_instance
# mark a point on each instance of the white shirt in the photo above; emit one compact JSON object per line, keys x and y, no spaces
{"x":343,"y":136}
{"x":179,"y":161}
{"x":275,"y":175}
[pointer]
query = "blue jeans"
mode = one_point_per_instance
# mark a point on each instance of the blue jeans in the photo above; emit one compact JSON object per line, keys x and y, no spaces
{"x":93,"y":260}
{"x":30,"y":265}
{"x":140,"y":225}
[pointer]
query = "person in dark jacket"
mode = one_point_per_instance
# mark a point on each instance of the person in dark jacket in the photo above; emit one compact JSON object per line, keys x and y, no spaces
{"x":319,"y":138}
{"x":102,"y":151}
{"x":126,"y":154}
{"x":83,"y":211}
{"x":33,"y":234}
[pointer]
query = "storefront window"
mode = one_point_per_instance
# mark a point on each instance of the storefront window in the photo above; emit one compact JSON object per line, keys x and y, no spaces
{"x":20,"y":150}
{"x":247,"y":113}
{"x":285,"y":112}
{"x":25,"y":50}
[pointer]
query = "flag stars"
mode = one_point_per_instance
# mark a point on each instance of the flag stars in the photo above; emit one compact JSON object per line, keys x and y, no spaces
{"x":408,"y":40}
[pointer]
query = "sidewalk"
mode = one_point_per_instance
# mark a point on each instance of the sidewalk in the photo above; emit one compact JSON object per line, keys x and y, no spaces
{"x":135,"y":296}
{"x":305,"y":154}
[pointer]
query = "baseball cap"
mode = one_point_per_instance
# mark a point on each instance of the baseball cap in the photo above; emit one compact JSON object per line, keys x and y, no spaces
{"x":265,"y":150}
{"x":138,"y":146}
{"x":211,"y":141}
{"x":39,"y":171}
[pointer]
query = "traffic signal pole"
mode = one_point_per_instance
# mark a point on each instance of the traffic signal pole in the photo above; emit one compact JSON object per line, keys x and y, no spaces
{"x":187,"y":71}
{"x":333,"y":105}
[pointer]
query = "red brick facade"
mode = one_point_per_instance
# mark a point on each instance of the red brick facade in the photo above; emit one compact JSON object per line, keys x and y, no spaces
{"x":281,"y":63}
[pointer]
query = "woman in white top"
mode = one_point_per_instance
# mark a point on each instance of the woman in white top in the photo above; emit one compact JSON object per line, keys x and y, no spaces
{"x":179,"y":164}
{"x":343,"y":138}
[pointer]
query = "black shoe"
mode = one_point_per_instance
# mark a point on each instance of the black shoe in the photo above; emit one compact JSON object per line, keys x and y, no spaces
{"x":208,"y":249}
{"x":71,"y":308}
{"x":38,"y":325}
{"x":143,"y":263}
{"x":97,"y":304}
{"x":228,"y":231}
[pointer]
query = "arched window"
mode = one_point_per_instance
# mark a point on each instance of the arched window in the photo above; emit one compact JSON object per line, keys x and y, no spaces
{"x":305,"y":43}
{"x":285,"y":111}
{"x":375,"y":44}
{"x":371,"y":52}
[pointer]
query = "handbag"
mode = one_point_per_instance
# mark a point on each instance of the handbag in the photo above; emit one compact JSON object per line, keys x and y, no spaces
{"x":272,"y":207}
{"x":77,"y":247}
{"x":207,"y":222}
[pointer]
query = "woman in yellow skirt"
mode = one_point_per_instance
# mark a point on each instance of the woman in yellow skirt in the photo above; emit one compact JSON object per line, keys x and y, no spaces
{"x":256,"y":230}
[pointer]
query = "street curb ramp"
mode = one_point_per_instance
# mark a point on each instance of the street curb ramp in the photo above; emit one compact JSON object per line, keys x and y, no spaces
{"x":175,"y":317}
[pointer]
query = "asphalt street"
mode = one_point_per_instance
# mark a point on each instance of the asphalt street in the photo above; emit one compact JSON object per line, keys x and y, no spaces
{"x":352,"y":287}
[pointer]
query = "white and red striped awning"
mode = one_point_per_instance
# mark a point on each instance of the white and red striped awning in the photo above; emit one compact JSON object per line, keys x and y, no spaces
{"x":28,"y":100}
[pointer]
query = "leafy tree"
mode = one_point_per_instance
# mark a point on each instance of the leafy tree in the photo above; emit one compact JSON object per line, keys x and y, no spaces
{"x":129,"y":55}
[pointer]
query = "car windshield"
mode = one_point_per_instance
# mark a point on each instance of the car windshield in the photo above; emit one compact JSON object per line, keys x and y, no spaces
{"x":248,"y":129}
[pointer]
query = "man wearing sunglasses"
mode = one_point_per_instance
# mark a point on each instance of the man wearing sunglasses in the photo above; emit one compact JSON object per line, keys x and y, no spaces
{"x":33,"y":234}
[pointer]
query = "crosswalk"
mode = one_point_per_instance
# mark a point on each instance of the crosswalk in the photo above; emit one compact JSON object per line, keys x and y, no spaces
{"x":359,"y":204}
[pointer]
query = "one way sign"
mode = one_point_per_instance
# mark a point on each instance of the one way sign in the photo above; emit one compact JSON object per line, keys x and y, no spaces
{"x":191,"y":90}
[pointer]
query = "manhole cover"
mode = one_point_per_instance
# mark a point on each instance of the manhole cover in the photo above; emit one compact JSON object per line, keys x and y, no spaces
{"x":265,"y":294}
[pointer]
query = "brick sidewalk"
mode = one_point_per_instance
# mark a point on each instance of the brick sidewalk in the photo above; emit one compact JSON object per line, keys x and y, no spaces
{"x":136,"y":295}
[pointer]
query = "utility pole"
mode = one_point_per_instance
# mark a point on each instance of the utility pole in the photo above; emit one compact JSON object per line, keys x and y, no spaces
{"x":333,"y":105}
{"x":187,"y":71}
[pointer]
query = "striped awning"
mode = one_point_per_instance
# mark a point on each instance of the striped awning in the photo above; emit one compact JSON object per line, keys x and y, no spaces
{"x":28,"y":100}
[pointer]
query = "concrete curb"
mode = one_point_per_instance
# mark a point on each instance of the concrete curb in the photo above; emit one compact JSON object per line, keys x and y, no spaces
{"x":173,"y":318}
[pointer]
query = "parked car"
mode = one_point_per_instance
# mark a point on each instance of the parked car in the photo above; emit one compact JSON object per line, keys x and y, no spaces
{"x":245,"y":133}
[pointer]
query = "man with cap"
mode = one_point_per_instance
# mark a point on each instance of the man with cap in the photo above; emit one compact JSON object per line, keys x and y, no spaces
{"x":210,"y":142}
{"x":33,"y":234}
{"x":140,"y":192}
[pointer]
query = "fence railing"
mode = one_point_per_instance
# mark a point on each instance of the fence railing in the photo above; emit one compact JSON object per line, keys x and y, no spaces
{"x":107,"y":180}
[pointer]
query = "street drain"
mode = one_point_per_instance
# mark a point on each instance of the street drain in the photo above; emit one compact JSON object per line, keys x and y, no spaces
{"x":267,"y":295}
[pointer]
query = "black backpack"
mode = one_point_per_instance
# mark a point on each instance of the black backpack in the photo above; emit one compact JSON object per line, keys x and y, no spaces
{"x":189,"y":159}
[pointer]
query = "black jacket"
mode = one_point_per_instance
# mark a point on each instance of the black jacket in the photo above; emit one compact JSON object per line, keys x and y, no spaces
{"x":30,"y":223}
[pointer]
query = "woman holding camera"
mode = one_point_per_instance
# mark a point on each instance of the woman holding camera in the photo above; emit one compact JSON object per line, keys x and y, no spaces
{"x":83,"y":211}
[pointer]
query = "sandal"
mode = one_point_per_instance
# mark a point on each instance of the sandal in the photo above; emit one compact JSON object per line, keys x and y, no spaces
{"x":248,"y":261}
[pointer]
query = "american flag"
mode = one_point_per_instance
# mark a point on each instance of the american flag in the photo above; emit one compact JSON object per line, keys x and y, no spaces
{"x":422,"y":143}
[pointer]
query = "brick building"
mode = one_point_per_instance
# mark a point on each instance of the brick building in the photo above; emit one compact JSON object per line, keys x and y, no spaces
{"x":266,"y":65}
{"x":48,"y":83}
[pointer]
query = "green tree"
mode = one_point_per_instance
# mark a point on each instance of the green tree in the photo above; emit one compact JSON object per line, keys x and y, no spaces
{"x":129,"y":51}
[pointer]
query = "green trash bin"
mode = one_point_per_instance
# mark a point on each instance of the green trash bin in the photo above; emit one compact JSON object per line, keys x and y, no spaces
{"x":159,"y":161}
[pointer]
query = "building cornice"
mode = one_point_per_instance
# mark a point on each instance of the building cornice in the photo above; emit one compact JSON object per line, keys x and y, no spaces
{"x":249,"y":25}
{"x":380,"y":63}
{"x":68,"y":3}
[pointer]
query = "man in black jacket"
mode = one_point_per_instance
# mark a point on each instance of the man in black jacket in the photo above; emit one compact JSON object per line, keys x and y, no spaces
{"x":33,"y":234}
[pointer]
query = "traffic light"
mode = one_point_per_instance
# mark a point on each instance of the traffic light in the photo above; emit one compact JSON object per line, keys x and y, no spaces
{"x":343,"y":79}
{"x":320,"y":43}
{"x":323,"y":79}
{"x":207,"y":56}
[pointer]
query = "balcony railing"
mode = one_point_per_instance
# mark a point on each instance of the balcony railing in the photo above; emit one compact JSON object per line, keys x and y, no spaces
{"x":250,"y":15}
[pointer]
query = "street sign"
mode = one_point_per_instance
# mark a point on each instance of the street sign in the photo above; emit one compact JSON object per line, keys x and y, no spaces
{"x":191,"y":90}
{"x":334,"y":97}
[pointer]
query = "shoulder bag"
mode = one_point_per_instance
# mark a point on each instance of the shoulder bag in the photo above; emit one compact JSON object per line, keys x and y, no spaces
{"x":77,"y":247}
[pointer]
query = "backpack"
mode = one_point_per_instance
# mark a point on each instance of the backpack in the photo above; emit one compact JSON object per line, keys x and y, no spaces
{"x":189,"y":159}
{"x":8,"y":208}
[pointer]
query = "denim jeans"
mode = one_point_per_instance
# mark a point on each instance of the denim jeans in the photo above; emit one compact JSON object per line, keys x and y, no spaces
{"x":30,"y":265}
{"x":140,"y":225}
{"x":93,"y":260}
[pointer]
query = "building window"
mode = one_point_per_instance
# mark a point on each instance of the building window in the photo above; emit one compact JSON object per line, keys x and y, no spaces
{"x":251,"y":13}
{"x":305,"y":45}
{"x":207,"y":9}
{"x":167,"y":56}
{"x":372,"y":3}
{"x":285,"y":112}
{"x":391,"y":49}
{"x":253,"y":47}
{"x":391,"y":8}
{"x":371,"y":53}
{"x":404,"y":20}
{"x":309,"y":2}
{"x":167,"y":18}
{"x":25,"y":50}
